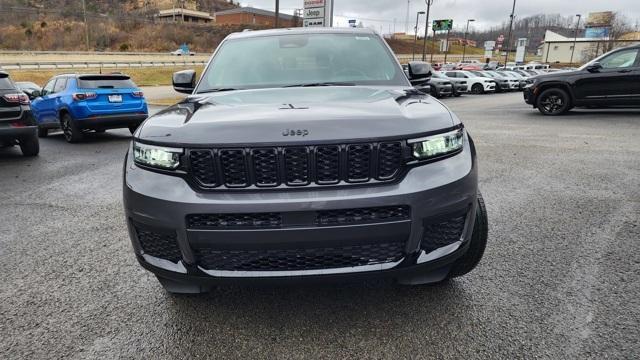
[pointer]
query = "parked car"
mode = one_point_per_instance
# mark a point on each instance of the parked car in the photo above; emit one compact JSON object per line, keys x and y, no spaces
{"x":80,"y":103}
{"x":358,"y":175}
{"x":466,"y":63}
{"x":441,"y":86}
{"x":17,"y":126}
{"x":522,"y":80}
{"x":502,"y":84}
{"x":612,"y":79}
{"x":182,"y":52}
{"x":476,"y":84}
{"x":514,"y":82}
{"x":28,"y":88}
{"x":459,"y":85}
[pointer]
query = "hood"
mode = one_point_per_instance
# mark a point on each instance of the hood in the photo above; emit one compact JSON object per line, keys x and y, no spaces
{"x":297,"y":115}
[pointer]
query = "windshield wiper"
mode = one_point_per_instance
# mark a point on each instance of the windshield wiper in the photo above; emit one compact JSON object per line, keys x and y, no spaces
{"x":215,"y":90}
{"x":328,"y":83}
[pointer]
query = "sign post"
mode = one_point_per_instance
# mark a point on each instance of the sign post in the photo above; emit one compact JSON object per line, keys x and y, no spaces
{"x":318,"y":13}
{"x":441,"y":25}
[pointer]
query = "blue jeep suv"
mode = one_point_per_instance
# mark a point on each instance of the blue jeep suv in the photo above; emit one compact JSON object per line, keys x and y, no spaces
{"x":80,"y":103}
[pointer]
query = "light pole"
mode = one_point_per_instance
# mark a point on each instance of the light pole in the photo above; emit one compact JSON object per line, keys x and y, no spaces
{"x":277,"y":22}
{"x":426,"y":30}
{"x":506,"y":56}
{"x":464,"y":46}
{"x":575,"y":38}
{"x":86,"y":27}
{"x":415,"y":39}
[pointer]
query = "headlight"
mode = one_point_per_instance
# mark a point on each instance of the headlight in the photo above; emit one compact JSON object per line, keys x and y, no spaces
{"x":157,"y":156}
{"x":437,"y":145}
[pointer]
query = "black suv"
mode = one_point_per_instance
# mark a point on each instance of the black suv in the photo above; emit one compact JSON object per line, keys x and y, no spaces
{"x":315,"y":159}
{"x":17,"y":125}
{"x":612,"y":79}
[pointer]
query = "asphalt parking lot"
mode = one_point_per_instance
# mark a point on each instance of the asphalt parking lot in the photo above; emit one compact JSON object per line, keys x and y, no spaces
{"x":560,"y":278}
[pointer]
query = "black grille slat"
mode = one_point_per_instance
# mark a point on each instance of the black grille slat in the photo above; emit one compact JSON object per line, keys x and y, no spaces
{"x":296,"y":165}
{"x":300,"y":259}
{"x":328,"y":164}
{"x":389,"y":160}
{"x":160,"y":245}
{"x":203,"y":167}
{"x":234,"y":221}
{"x":359,"y":162}
{"x":265,"y":166}
{"x":362,"y":215}
{"x":296,"y":162}
{"x":234,"y":167}
{"x":442,"y":233}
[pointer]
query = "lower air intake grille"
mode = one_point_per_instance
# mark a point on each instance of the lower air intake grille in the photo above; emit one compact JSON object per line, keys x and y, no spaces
{"x":160,"y":245}
{"x":442,"y":233}
{"x":234,"y":221}
{"x":300,"y":259}
{"x":363,"y":215}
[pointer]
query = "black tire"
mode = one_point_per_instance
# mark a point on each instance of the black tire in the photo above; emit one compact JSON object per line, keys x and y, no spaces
{"x":72,"y":133}
{"x":457,"y":94}
{"x":43,"y":132}
{"x":434,"y":92}
{"x":553,"y":102}
{"x":30,"y":146}
{"x":478,"y":243}
{"x":477,"y":89}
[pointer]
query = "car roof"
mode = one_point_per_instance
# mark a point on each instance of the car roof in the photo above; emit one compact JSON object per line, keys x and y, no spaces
{"x":300,"y":31}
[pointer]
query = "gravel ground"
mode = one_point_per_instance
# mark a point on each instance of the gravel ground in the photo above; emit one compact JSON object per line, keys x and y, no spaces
{"x":560,"y":278}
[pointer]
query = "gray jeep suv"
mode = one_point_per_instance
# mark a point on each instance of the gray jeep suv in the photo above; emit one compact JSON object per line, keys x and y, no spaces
{"x":303,"y":154}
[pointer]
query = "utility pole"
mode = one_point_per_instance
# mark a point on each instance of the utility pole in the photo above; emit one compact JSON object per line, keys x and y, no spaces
{"x":277,"y":24}
{"x":86,"y":27}
{"x":464,"y":46}
{"x":433,"y":44}
{"x":446,"y":47}
{"x":506,"y":56}
{"x":575,"y":38}
{"x":406,"y":23}
{"x":415,"y":38}
{"x":426,"y":31}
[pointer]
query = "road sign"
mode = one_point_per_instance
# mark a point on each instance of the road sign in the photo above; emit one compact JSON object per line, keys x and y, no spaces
{"x":318,"y":13}
{"x":352,"y":23}
{"x":489,"y":45}
{"x":442,"y":25}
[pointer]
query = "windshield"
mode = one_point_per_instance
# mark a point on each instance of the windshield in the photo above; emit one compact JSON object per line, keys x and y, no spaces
{"x":292,"y":60}
{"x":105,"y":82}
{"x":5,"y":83}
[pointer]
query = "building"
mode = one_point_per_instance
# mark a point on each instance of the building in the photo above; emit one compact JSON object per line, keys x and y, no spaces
{"x":557,"y":48}
{"x":184,"y":15}
{"x":253,"y":16}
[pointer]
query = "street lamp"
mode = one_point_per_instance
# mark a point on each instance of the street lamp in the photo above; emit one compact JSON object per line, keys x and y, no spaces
{"x":426,"y":30}
{"x":575,"y":38}
{"x":415,"y":39}
{"x":506,"y":55}
{"x":464,"y":46}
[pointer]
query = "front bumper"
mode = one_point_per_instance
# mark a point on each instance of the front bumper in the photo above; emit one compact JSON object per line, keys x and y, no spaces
{"x":160,"y":203}
{"x":529,"y":95}
{"x":103,"y":122}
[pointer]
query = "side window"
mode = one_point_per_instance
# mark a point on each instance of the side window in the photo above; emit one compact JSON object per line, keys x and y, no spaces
{"x":451,"y":74}
{"x":48,"y":88}
{"x":621,"y":59}
{"x":61,"y":84}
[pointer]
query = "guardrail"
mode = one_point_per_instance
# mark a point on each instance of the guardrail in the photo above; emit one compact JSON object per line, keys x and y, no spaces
{"x":95,"y":64}
{"x":121,"y":53}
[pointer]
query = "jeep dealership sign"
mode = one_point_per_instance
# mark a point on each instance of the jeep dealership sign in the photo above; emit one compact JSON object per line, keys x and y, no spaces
{"x":318,"y":13}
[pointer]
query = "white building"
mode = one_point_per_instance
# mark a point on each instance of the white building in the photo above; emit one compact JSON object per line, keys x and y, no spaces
{"x":558,"y":48}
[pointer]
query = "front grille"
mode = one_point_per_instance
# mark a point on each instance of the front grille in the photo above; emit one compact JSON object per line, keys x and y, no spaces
{"x":234,"y":221}
{"x":300,"y":259}
{"x":160,"y":245}
{"x":296,"y":165}
{"x":442,"y":233}
{"x":362,"y":215}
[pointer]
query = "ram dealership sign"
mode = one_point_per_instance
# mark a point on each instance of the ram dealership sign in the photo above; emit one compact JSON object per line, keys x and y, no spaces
{"x":318,"y":13}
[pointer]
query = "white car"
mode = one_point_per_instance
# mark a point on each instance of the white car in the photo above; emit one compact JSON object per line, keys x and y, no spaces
{"x":181,"y":52}
{"x":476,"y":84}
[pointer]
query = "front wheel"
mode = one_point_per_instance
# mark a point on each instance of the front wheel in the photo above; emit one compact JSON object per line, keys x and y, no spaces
{"x":477,"y":244}
{"x":553,"y":102}
{"x":30,"y":146}
{"x":72,"y":133}
{"x":477,"y":89}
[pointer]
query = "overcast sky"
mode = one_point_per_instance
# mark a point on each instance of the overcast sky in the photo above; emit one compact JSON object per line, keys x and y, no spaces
{"x":380,"y":14}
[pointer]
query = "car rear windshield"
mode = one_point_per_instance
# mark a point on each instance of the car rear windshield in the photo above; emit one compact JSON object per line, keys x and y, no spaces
{"x":295,"y":59}
{"x":5,"y":83}
{"x":105,"y":82}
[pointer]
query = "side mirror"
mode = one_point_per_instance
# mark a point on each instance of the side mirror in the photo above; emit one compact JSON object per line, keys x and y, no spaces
{"x":595,"y":67}
{"x":184,"y":81}
{"x":419,"y":72}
